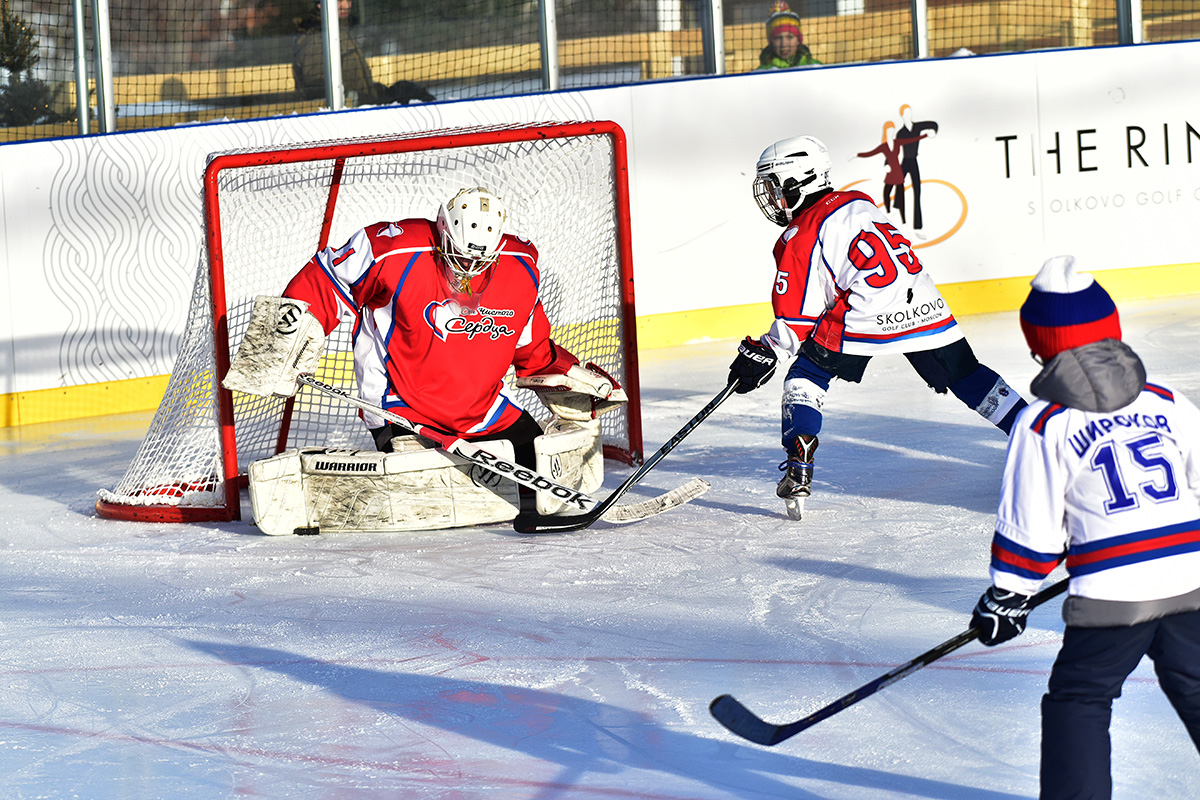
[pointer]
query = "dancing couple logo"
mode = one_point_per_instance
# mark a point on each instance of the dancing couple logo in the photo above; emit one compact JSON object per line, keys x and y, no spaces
{"x":905,"y":196}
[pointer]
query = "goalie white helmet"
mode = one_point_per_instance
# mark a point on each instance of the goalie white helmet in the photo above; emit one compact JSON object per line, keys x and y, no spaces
{"x":470,"y":227}
{"x":788,"y":172}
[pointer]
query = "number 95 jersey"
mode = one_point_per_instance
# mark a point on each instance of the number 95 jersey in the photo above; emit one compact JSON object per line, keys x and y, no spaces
{"x":848,"y":278}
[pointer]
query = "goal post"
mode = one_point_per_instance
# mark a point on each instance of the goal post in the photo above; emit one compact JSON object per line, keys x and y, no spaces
{"x":268,"y":210}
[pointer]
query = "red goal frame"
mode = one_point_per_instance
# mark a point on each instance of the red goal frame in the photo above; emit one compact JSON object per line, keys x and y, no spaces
{"x":233,"y":478}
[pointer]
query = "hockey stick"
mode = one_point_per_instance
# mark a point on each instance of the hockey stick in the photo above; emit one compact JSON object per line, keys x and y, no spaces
{"x":515,"y":472}
{"x":740,"y":720}
{"x":542,"y":523}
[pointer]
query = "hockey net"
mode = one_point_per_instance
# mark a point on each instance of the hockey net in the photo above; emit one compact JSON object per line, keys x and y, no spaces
{"x":268,"y":210}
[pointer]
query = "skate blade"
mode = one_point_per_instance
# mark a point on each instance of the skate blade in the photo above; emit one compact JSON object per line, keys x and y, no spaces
{"x":795,"y":507}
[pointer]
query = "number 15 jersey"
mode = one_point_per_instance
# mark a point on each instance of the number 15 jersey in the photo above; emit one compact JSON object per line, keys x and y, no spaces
{"x":1117,"y":494}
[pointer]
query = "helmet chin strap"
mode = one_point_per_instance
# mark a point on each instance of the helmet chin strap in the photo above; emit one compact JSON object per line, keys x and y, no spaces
{"x":460,"y":280}
{"x":786,"y":202}
{"x":792,"y":208}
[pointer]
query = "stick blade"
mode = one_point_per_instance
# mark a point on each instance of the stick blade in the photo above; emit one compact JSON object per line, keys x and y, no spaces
{"x":632,"y":512}
{"x":740,"y":720}
{"x":532,"y":522}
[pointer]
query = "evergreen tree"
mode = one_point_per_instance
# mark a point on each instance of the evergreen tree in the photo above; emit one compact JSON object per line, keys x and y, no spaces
{"x":18,"y":44}
{"x":23,"y":101}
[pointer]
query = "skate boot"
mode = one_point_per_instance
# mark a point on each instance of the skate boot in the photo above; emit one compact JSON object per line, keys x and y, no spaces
{"x":796,"y":483}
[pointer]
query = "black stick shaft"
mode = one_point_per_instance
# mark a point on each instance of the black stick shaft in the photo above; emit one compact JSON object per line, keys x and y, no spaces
{"x":543,"y":523}
{"x":730,"y":712}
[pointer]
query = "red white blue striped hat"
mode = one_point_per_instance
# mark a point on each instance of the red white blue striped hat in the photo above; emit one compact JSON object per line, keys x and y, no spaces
{"x":1066,"y":309}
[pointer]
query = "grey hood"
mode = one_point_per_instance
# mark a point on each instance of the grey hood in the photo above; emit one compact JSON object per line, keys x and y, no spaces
{"x":1101,"y":376}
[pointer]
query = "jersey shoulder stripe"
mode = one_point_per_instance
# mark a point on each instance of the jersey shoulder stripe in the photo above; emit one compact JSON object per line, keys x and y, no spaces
{"x":1044,"y":416}
{"x":407,"y":269}
{"x":1161,"y":391}
{"x":402,"y":250}
{"x":528,"y":265}
{"x":335,"y":284}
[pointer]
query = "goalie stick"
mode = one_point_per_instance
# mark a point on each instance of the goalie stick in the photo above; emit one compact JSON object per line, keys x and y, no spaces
{"x":542,"y":523}
{"x":528,"y":478}
{"x":728,"y":711}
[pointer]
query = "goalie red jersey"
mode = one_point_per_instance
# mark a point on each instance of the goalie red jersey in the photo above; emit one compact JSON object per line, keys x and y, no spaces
{"x":429,"y":353}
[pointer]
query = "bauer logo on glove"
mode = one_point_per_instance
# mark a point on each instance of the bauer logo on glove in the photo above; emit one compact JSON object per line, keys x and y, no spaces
{"x":1000,"y":615}
{"x":754,"y":365}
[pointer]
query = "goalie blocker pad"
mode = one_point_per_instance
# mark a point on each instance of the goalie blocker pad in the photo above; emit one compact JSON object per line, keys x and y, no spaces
{"x":282,"y":340}
{"x":412,"y":488}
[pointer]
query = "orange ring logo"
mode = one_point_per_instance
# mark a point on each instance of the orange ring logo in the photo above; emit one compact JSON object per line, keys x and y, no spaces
{"x":953,"y":228}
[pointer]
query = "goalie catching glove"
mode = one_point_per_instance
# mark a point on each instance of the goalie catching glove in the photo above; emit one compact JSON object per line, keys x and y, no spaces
{"x":579,"y":395}
{"x":282,"y":341}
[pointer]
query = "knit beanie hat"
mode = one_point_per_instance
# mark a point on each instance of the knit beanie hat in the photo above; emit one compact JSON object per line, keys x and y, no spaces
{"x":1066,"y":309}
{"x":783,"y":19}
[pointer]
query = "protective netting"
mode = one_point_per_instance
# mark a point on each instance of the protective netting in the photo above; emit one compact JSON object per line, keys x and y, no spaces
{"x":562,"y":195}
{"x":177,"y":61}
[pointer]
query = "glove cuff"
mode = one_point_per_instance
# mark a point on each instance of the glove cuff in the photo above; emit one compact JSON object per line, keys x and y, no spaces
{"x":1002,"y":601}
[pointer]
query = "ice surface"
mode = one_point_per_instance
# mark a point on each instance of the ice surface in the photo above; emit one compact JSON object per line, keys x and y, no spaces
{"x":146,"y":660}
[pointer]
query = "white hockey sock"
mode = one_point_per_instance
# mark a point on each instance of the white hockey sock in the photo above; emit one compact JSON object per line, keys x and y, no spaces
{"x":1000,"y":400}
{"x":802,"y":403}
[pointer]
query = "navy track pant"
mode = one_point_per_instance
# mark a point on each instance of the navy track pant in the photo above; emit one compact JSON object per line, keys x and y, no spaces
{"x":1087,"y":676}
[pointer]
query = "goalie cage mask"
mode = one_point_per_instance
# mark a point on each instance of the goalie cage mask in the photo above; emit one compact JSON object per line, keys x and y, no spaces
{"x":469,"y":228}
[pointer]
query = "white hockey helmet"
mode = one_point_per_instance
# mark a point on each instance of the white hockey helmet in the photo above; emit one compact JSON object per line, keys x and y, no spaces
{"x":470,"y":227}
{"x":789,"y":171}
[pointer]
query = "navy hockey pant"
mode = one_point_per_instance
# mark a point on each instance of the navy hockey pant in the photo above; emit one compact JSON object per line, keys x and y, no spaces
{"x":952,"y":368}
{"x":1087,"y":676}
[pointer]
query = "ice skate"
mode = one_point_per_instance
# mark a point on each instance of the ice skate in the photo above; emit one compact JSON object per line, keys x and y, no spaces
{"x":796,"y":484}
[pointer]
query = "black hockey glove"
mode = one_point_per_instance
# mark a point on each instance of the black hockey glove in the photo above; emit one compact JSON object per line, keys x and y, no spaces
{"x":754,"y":365}
{"x":1000,"y":615}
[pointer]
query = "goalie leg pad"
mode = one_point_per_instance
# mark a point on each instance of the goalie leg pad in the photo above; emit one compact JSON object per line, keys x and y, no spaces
{"x":282,"y":340}
{"x":571,"y":453}
{"x":276,"y":496}
{"x":412,"y":488}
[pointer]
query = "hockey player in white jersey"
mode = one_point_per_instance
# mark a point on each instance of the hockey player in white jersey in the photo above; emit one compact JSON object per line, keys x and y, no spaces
{"x":848,"y":287}
{"x":1103,"y":471}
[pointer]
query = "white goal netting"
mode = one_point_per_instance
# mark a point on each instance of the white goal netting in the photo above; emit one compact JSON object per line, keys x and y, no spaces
{"x":268,"y":211}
